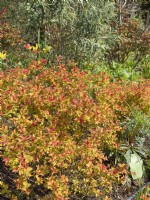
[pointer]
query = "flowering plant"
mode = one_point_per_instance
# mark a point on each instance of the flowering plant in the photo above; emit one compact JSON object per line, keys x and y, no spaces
{"x":57,"y":125}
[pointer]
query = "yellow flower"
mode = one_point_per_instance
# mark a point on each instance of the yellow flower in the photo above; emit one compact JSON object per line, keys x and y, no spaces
{"x":2,"y":56}
{"x":47,"y":49}
{"x":35,"y":48}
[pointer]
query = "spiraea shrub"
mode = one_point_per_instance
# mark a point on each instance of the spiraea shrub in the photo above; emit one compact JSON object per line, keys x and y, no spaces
{"x":56,"y":126}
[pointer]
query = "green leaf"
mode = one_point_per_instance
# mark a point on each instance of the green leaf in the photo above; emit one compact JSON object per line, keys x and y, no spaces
{"x":128,"y":156}
{"x":136,"y":166}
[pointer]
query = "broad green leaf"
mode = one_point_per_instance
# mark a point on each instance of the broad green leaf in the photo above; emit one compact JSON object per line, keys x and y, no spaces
{"x":136,"y":166}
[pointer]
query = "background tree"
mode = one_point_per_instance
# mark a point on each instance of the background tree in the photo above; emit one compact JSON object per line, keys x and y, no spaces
{"x":132,"y":46}
{"x":77,"y":30}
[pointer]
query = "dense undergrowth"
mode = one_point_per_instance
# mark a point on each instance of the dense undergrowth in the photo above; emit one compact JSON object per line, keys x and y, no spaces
{"x":74,"y":100}
{"x":58,"y":127}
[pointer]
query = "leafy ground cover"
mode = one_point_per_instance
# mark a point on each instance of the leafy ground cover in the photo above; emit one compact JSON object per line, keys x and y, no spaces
{"x":74,"y":100}
{"x":58,"y":128}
